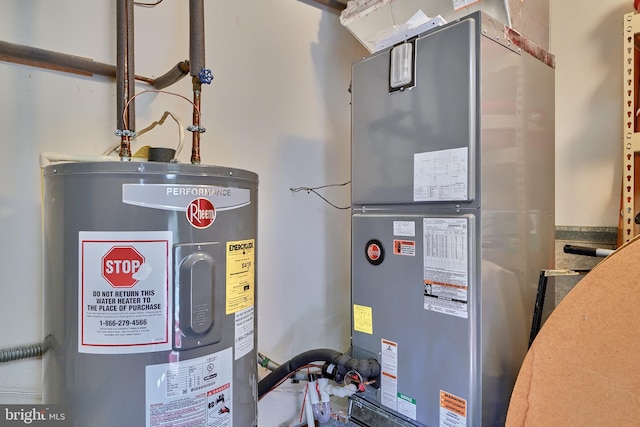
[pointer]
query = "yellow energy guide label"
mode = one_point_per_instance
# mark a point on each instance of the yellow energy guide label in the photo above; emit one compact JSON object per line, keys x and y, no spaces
{"x":240,"y":275}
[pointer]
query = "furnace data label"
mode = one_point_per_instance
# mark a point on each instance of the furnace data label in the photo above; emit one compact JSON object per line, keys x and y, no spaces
{"x":196,"y":392}
{"x":240,"y":275}
{"x":446,"y":268}
{"x":441,"y":175}
{"x":124,"y":294}
{"x":404,"y":228}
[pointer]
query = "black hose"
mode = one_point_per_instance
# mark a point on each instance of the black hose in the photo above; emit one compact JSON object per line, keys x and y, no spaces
{"x":583,"y":250}
{"x":281,"y":372}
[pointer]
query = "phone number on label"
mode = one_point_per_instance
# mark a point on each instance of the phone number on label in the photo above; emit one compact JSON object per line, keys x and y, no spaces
{"x":134,"y":322}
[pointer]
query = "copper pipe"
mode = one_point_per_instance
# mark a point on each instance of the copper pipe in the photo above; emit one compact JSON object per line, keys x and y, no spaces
{"x":195,"y":144}
{"x":196,"y":65}
{"x":125,"y":76}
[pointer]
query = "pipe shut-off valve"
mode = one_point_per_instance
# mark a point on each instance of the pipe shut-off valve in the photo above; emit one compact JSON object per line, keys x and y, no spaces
{"x":205,"y":76}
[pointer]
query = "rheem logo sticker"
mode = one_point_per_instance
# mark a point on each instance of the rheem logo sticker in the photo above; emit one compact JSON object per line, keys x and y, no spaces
{"x":201,"y":213}
{"x":120,"y":265}
{"x":374,"y":252}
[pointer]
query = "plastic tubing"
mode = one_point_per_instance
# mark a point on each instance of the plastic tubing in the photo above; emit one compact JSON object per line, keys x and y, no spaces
{"x":322,"y":412}
{"x":323,"y":409}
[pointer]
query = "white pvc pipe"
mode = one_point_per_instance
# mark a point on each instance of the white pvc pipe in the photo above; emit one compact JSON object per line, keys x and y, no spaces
{"x":308,"y":410}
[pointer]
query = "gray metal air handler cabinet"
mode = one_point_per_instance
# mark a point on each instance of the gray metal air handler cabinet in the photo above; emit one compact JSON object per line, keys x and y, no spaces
{"x":453,"y":219}
{"x":149,"y":291}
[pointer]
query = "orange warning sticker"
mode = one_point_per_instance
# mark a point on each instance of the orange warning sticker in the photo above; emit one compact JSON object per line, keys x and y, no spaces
{"x":404,"y":247}
{"x":453,"y":403}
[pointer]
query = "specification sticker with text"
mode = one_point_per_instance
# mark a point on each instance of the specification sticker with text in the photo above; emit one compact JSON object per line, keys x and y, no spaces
{"x":446,"y":269}
{"x":194,"y":392}
{"x":240,"y":275}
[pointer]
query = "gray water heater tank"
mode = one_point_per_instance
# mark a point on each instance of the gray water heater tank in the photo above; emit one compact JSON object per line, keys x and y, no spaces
{"x":149,"y":294}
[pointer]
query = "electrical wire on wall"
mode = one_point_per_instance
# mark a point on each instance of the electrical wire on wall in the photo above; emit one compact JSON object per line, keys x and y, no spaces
{"x":314,"y":191}
{"x":154,"y":124}
{"x":181,"y":128}
{"x":130,"y":100}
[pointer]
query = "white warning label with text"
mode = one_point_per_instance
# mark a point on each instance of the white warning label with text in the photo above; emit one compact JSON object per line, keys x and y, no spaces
{"x":244,"y":332}
{"x":124,"y":295}
{"x":196,"y":392}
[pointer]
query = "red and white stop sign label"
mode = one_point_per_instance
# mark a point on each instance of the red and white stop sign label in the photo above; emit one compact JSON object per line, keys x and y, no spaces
{"x":119,"y":266}
{"x":201,"y":213}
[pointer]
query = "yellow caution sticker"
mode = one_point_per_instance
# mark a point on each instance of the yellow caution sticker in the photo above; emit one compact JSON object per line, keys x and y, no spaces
{"x":362,"y":319}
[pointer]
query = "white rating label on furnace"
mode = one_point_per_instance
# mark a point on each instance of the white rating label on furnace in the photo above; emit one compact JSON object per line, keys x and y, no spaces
{"x":446,"y":269}
{"x":123,"y":292}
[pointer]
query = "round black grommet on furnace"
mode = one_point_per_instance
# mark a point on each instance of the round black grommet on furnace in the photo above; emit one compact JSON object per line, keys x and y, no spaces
{"x":374,"y":252}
